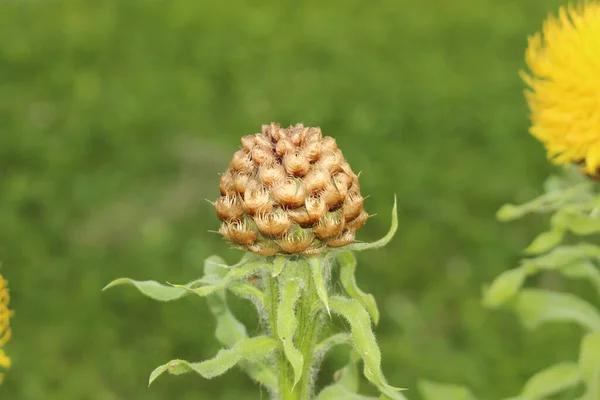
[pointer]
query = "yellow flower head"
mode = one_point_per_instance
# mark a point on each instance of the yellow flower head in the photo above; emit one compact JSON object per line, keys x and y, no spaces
{"x":564,"y":98}
{"x":5,"y":332}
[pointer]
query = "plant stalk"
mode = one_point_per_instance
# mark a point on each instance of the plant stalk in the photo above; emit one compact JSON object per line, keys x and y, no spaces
{"x":309,"y":316}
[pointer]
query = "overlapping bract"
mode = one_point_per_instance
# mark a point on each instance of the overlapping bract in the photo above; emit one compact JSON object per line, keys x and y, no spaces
{"x":289,"y":191}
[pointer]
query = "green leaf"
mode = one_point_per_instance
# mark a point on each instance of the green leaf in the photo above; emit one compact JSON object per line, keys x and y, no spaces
{"x":215,"y":266}
{"x":504,"y":287}
{"x":510,"y":212}
{"x":325,"y":345}
{"x":346,"y":384}
{"x":551,"y":381}
{"x":536,"y":307}
{"x":287,"y":324}
{"x":364,"y":342}
{"x":317,"y":269}
{"x":152,"y":289}
{"x":546,"y":240}
{"x":278,"y":264}
{"x":570,"y":190}
{"x":571,"y":261}
{"x":234,"y":274}
{"x":589,"y":364}
{"x":229,"y":331}
{"x":441,"y":391}
{"x":254,"y":349}
{"x":347,"y":263}
{"x":381,"y":242}
{"x":582,"y":224}
{"x":248,"y":291}
{"x":563,"y":256}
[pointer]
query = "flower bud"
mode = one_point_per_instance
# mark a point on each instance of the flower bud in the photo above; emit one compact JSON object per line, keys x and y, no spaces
{"x":289,"y":191}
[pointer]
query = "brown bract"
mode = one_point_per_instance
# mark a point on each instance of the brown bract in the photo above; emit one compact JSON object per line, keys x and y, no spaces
{"x":289,"y":191}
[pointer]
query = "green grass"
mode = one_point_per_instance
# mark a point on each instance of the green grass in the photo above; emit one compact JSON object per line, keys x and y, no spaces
{"x":116,"y":117}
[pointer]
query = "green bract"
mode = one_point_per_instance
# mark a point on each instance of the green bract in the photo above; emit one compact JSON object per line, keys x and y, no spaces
{"x":294,"y":298}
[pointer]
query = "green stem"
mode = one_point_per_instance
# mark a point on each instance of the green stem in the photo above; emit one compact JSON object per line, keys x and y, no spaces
{"x":285,"y":375}
{"x":309,"y":312}
{"x":309,"y":317}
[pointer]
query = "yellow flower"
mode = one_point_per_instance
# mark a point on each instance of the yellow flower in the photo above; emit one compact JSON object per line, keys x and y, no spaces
{"x":5,"y":331}
{"x":564,"y":98}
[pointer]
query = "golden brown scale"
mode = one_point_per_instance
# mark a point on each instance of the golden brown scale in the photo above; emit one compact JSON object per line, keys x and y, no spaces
{"x":289,"y":191}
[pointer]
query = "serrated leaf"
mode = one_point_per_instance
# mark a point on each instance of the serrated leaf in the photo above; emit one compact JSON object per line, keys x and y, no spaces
{"x":151,"y":289}
{"x":551,"y":381}
{"x":347,"y":263}
{"x":317,"y":269}
{"x":442,"y":391}
{"x":287,"y":324}
{"x":536,"y":307}
{"x":504,"y":287}
{"x":546,"y":241}
{"x":589,"y":364}
{"x":384,"y":240}
{"x":254,"y":349}
{"x":364,"y":342}
{"x":231,"y":276}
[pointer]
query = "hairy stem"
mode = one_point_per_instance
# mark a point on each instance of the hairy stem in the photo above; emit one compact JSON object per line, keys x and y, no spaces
{"x":284,"y":371}
{"x":308,"y":312}
{"x":309,"y":317}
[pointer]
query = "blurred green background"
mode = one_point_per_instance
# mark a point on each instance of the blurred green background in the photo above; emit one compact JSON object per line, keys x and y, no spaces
{"x":116,"y":118}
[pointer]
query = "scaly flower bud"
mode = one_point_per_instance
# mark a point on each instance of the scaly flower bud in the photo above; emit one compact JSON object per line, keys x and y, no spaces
{"x":289,"y":191}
